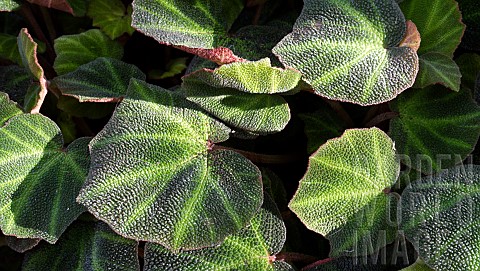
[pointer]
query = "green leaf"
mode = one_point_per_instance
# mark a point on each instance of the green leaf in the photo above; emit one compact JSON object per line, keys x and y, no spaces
{"x":28,"y":52}
{"x":111,"y":16}
{"x":75,"y":108}
{"x":21,"y":245}
{"x":440,"y":216}
{"x":9,"y":48}
{"x":9,"y":5}
{"x":438,"y":68}
{"x":253,"y":248}
{"x":204,"y":24}
{"x":176,"y":188}
{"x":419,"y":265}
{"x":102,"y":80}
{"x":85,"y":246}
{"x":251,"y":77}
{"x":38,"y":176}
{"x":8,"y":109}
{"x":258,"y":113}
{"x":436,"y":128}
{"x":343,"y":195}
{"x":469,"y":65}
{"x":320,"y":126}
{"x":348,"y":50}
{"x":439,"y":23}
{"x":174,"y":67}
{"x":79,"y":7}
{"x":75,"y":50}
{"x":15,"y":81}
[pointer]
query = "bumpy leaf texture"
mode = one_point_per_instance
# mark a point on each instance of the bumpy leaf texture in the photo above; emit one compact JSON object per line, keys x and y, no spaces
{"x":440,"y":216}
{"x":38,"y":176}
{"x":348,"y":50}
{"x":253,"y":248}
{"x":156,"y":175}
{"x":9,"y":5}
{"x":102,"y":80}
{"x":436,"y":128}
{"x":75,"y":50}
{"x":85,"y":246}
{"x":257,"y":113}
{"x":8,"y":109}
{"x":343,"y":195}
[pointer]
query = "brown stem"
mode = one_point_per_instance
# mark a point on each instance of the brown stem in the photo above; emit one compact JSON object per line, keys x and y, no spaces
{"x":258,"y":158}
{"x":317,"y":263}
{"x":295,"y":257}
{"x":337,"y":107}
{"x":381,"y":118}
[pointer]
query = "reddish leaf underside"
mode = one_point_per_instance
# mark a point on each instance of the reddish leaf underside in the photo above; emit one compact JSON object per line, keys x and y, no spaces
{"x":62,"y":5}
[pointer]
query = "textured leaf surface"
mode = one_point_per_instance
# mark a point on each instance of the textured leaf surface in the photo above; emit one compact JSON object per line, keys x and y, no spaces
{"x":9,"y":5}
{"x":438,"y":68}
{"x":28,"y":52}
{"x":204,"y":24}
{"x":347,"y":50}
{"x":102,"y":80}
{"x":439,"y":23}
{"x":85,"y":246}
{"x":8,"y":109}
{"x":9,"y":48}
{"x":181,"y":193}
{"x":436,"y":128}
{"x":38,"y":176}
{"x":111,"y":16}
{"x":440,"y":215}
{"x":251,"y":77}
{"x":75,"y":50}
{"x":15,"y":81}
{"x":342,"y":195}
{"x":258,"y":113}
{"x":253,"y":248}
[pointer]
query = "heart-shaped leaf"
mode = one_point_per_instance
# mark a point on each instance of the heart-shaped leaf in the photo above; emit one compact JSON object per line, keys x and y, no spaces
{"x":9,"y":48}
{"x":111,"y":16}
{"x":157,"y":176}
{"x":251,"y":77}
{"x":439,"y":23}
{"x":8,"y":109}
{"x":348,"y":50}
{"x":9,"y":5}
{"x":440,"y":216}
{"x":102,"y":80}
{"x":85,"y":246}
{"x":344,"y":194}
{"x":435,"y":128}
{"x":257,"y":113}
{"x":75,"y":50}
{"x":253,"y":248}
{"x":438,"y":68}
{"x":46,"y":182}
{"x":204,"y":25}
{"x":28,"y":52}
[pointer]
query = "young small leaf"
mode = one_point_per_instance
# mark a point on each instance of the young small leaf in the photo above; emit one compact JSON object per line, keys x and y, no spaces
{"x":438,"y":68}
{"x":85,"y":246}
{"x":75,"y":50}
{"x":347,"y":50}
{"x":439,"y":23}
{"x":343,"y":194}
{"x":253,"y":248}
{"x":436,"y":128}
{"x":440,"y":216}
{"x":257,"y":113}
{"x":9,"y":5}
{"x":111,"y":16}
{"x":251,"y":77}
{"x":38,"y":176}
{"x":28,"y":52}
{"x":102,"y":80}
{"x":156,"y":176}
